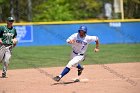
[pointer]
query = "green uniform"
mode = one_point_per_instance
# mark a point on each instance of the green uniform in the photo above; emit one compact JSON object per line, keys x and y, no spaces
{"x":7,"y":34}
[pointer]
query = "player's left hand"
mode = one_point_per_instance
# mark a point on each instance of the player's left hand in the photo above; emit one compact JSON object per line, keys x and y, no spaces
{"x":96,"y":50}
{"x":14,"y":41}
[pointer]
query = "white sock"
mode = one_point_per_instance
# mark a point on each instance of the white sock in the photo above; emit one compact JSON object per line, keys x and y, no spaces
{"x":60,"y":76}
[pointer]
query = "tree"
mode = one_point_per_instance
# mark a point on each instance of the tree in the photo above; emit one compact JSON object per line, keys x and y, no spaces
{"x":29,"y":10}
{"x":56,"y":11}
{"x":132,"y":8}
{"x":3,"y":9}
{"x":17,"y":11}
{"x":61,"y":10}
{"x":12,"y":8}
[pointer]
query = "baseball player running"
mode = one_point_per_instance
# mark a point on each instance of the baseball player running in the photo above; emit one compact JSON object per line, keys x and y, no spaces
{"x":79,"y":42}
{"x":8,"y":40}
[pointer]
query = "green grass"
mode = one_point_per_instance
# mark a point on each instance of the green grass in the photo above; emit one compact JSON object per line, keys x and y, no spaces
{"x":52,"y":56}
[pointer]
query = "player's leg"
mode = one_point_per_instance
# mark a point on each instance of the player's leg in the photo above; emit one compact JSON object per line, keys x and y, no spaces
{"x":78,"y":65}
{"x":65,"y":70}
{"x":63,"y":73}
{"x":5,"y":61}
{"x":80,"y":69}
{"x":71,"y":63}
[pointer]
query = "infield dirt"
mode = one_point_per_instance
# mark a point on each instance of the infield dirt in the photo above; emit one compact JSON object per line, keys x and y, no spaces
{"x":107,"y":78}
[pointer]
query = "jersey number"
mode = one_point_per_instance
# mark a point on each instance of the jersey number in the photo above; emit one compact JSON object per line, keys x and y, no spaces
{"x":82,"y":47}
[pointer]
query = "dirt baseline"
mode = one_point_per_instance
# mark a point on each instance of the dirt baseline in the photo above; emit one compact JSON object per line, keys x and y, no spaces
{"x":107,"y":78}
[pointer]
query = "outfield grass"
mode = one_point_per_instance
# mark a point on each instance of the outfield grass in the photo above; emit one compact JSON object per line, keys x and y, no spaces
{"x":52,"y":56}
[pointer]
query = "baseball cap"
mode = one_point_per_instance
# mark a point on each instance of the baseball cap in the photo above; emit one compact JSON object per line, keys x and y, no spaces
{"x":10,"y":19}
{"x":83,"y":28}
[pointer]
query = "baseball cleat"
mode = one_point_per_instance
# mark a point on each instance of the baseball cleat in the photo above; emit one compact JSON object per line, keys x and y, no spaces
{"x":3,"y":75}
{"x":77,"y":80}
{"x":57,"y":78}
{"x":80,"y":71}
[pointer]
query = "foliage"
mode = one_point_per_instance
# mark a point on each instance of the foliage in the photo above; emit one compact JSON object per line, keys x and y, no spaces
{"x":61,"y":10}
{"x":58,"y":10}
{"x":64,"y":10}
{"x":132,"y":8}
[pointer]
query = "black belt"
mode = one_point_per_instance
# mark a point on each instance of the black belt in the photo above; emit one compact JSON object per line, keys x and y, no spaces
{"x":77,"y":53}
{"x":6,"y":45}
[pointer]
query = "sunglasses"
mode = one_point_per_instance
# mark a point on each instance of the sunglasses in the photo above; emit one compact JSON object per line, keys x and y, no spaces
{"x":11,"y":21}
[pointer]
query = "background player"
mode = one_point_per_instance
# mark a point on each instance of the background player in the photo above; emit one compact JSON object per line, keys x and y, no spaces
{"x":79,"y":42}
{"x":7,"y":38}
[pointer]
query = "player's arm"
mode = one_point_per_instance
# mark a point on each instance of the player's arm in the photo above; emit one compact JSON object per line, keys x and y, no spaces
{"x":1,"y":35}
{"x":96,"y":40}
{"x":97,"y":46}
{"x":71,"y":39}
{"x":14,"y":40}
{"x":0,"y":41}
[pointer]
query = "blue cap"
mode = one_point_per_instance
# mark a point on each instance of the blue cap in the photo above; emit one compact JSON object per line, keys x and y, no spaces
{"x":83,"y":28}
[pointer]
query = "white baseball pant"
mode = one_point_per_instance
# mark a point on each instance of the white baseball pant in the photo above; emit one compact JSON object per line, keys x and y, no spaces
{"x":75,"y":59}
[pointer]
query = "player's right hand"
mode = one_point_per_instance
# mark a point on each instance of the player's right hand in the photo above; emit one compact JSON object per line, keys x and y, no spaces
{"x":0,"y":42}
{"x":71,"y":41}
